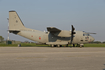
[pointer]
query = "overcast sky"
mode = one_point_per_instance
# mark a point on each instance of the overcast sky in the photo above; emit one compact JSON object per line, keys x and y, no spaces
{"x":85,"y":15}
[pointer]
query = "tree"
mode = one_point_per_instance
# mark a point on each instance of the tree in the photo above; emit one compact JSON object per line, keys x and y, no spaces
{"x":1,"y":39}
{"x":97,"y":42}
{"x":104,"y":42}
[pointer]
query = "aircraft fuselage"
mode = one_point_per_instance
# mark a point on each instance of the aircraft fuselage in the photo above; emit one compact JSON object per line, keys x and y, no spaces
{"x":43,"y":37}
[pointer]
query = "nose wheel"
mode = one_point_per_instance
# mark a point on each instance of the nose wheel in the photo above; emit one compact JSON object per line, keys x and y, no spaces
{"x":80,"y":45}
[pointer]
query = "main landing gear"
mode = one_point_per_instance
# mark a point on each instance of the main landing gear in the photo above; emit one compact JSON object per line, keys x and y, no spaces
{"x":56,"y":45}
{"x":80,"y":45}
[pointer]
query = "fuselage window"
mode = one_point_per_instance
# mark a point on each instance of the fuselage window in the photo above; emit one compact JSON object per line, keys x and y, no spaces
{"x":83,"y":34}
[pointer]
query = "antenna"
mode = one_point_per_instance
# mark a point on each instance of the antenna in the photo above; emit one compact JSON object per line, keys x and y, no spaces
{"x":8,"y":28}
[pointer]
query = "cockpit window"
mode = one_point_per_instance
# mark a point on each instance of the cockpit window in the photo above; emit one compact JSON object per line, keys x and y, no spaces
{"x":86,"y":35}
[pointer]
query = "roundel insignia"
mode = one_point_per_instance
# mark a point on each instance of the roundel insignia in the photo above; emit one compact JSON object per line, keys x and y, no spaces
{"x":39,"y":38}
{"x":32,"y":36}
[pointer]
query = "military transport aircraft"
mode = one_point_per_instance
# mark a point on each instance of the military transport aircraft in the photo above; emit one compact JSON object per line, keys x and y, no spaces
{"x":54,"y":36}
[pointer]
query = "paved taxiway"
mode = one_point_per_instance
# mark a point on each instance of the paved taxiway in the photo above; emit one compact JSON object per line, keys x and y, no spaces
{"x":46,"y":58}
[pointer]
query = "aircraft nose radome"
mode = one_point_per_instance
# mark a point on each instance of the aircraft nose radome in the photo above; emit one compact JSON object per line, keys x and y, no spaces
{"x":93,"y":39}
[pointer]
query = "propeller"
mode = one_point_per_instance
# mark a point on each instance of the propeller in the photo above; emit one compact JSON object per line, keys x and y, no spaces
{"x":72,"y":33}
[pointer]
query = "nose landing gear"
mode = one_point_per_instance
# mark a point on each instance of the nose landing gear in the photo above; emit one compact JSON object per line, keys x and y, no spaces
{"x":80,"y":45}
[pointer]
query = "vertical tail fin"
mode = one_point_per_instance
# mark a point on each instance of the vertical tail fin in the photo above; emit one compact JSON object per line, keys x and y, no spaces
{"x":15,"y":22}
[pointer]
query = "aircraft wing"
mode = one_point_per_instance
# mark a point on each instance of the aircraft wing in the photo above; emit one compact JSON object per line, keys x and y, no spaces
{"x":58,"y":32}
{"x":53,"y":29}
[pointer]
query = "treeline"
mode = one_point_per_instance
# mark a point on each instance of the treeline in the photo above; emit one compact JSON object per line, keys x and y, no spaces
{"x":98,"y":42}
{"x":1,"y":39}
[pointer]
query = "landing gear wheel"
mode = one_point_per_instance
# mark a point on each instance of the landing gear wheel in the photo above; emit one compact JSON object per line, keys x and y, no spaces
{"x":52,"y":45}
{"x":81,"y":45}
{"x":73,"y":45}
{"x":58,"y":45}
{"x":67,"y":45}
{"x":78,"y":45}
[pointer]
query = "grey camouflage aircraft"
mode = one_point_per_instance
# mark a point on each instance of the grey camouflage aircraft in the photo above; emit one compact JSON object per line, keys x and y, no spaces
{"x":54,"y":36}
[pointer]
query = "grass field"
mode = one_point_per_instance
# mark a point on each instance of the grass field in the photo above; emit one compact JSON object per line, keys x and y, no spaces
{"x":22,"y":45}
{"x":94,"y":45}
{"x":40,"y":45}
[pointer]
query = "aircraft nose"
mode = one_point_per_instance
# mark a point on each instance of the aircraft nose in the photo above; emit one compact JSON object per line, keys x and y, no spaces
{"x":92,"y":39}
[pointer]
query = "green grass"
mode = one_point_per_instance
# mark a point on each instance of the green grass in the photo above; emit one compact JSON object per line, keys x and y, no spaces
{"x":9,"y":45}
{"x":32,"y":45}
{"x":94,"y":45}
{"x":22,"y":45}
{"x":40,"y":45}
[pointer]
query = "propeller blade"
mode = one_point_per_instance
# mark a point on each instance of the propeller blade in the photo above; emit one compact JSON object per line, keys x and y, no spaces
{"x":72,"y":33}
{"x":72,"y":28}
